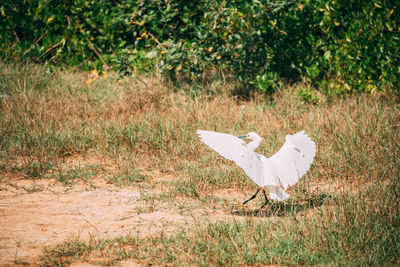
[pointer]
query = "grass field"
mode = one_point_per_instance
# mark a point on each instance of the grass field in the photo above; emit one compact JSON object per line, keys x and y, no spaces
{"x":67,"y":129}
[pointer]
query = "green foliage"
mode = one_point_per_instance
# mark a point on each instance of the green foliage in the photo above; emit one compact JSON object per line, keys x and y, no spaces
{"x":308,"y":95}
{"x":268,"y":82}
{"x":130,"y":61}
{"x":338,"y":46}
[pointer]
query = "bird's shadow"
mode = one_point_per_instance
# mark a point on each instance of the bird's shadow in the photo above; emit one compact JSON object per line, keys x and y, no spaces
{"x":281,"y":209}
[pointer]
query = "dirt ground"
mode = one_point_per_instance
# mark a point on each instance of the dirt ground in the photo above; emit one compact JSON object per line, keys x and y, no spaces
{"x":39,"y":213}
{"x":31,"y":221}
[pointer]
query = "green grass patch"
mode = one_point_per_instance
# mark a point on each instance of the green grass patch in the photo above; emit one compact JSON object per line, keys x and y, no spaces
{"x":127,"y":177}
{"x":70,"y":176}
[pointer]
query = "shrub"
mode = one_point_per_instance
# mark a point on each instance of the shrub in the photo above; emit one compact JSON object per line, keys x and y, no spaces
{"x":338,"y":46}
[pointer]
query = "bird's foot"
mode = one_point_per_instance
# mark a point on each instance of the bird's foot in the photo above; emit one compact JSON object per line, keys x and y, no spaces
{"x":258,"y":213}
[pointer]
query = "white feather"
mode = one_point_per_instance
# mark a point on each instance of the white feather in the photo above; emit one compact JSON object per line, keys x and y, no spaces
{"x":294,"y":158}
{"x":236,"y":150}
{"x":276,"y":173}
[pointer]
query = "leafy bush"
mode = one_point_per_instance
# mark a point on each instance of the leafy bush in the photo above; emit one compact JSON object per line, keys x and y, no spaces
{"x":338,"y":46}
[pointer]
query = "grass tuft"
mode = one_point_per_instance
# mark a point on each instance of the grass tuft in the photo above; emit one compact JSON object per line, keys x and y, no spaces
{"x":66,"y":253}
{"x":127,"y":177}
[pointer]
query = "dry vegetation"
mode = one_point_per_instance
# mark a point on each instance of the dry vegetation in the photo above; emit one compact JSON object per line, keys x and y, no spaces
{"x":64,"y":133}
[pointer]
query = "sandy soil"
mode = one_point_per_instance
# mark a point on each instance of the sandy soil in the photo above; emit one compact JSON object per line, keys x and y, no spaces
{"x":31,"y":221}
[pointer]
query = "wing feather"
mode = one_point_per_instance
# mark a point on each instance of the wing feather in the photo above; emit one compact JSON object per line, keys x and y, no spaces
{"x":235,"y":149}
{"x":294,"y":158}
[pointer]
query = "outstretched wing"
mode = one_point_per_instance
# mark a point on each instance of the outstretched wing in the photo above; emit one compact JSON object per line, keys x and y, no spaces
{"x":235,"y":149}
{"x":294,"y":158}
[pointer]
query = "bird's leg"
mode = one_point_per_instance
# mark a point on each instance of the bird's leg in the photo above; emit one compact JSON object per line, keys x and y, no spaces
{"x":266,"y":200}
{"x":252,"y":196}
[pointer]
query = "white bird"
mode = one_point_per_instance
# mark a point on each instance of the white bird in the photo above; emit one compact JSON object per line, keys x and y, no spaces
{"x":274,"y":174}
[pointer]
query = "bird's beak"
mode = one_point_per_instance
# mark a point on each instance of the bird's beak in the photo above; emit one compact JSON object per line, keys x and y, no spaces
{"x":243,"y":136}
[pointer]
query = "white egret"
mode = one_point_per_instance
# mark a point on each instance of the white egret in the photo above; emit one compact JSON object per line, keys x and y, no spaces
{"x":274,"y":174}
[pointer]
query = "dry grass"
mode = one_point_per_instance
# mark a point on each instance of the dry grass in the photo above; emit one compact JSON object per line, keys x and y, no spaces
{"x":53,"y":118}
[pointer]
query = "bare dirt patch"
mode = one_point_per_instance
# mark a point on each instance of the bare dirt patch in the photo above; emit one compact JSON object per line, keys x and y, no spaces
{"x":31,"y":221}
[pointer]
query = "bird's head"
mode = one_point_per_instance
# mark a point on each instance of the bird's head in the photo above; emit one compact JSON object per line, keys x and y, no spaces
{"x":252,"y":136}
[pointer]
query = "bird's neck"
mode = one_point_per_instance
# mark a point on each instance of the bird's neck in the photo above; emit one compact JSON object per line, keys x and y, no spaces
{"x":254,"y":144}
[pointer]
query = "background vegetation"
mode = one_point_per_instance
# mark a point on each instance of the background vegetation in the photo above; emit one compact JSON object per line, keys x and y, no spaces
{"x":338,"y":46}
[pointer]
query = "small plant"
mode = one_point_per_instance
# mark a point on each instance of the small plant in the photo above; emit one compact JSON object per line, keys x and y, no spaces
{"x":309,"y":95}
{"x":70,"y":176}
{"x":128,"y":177}
{"x":268,"y":82}
{"x":66,"y":253}
{"x":37,"y":169}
